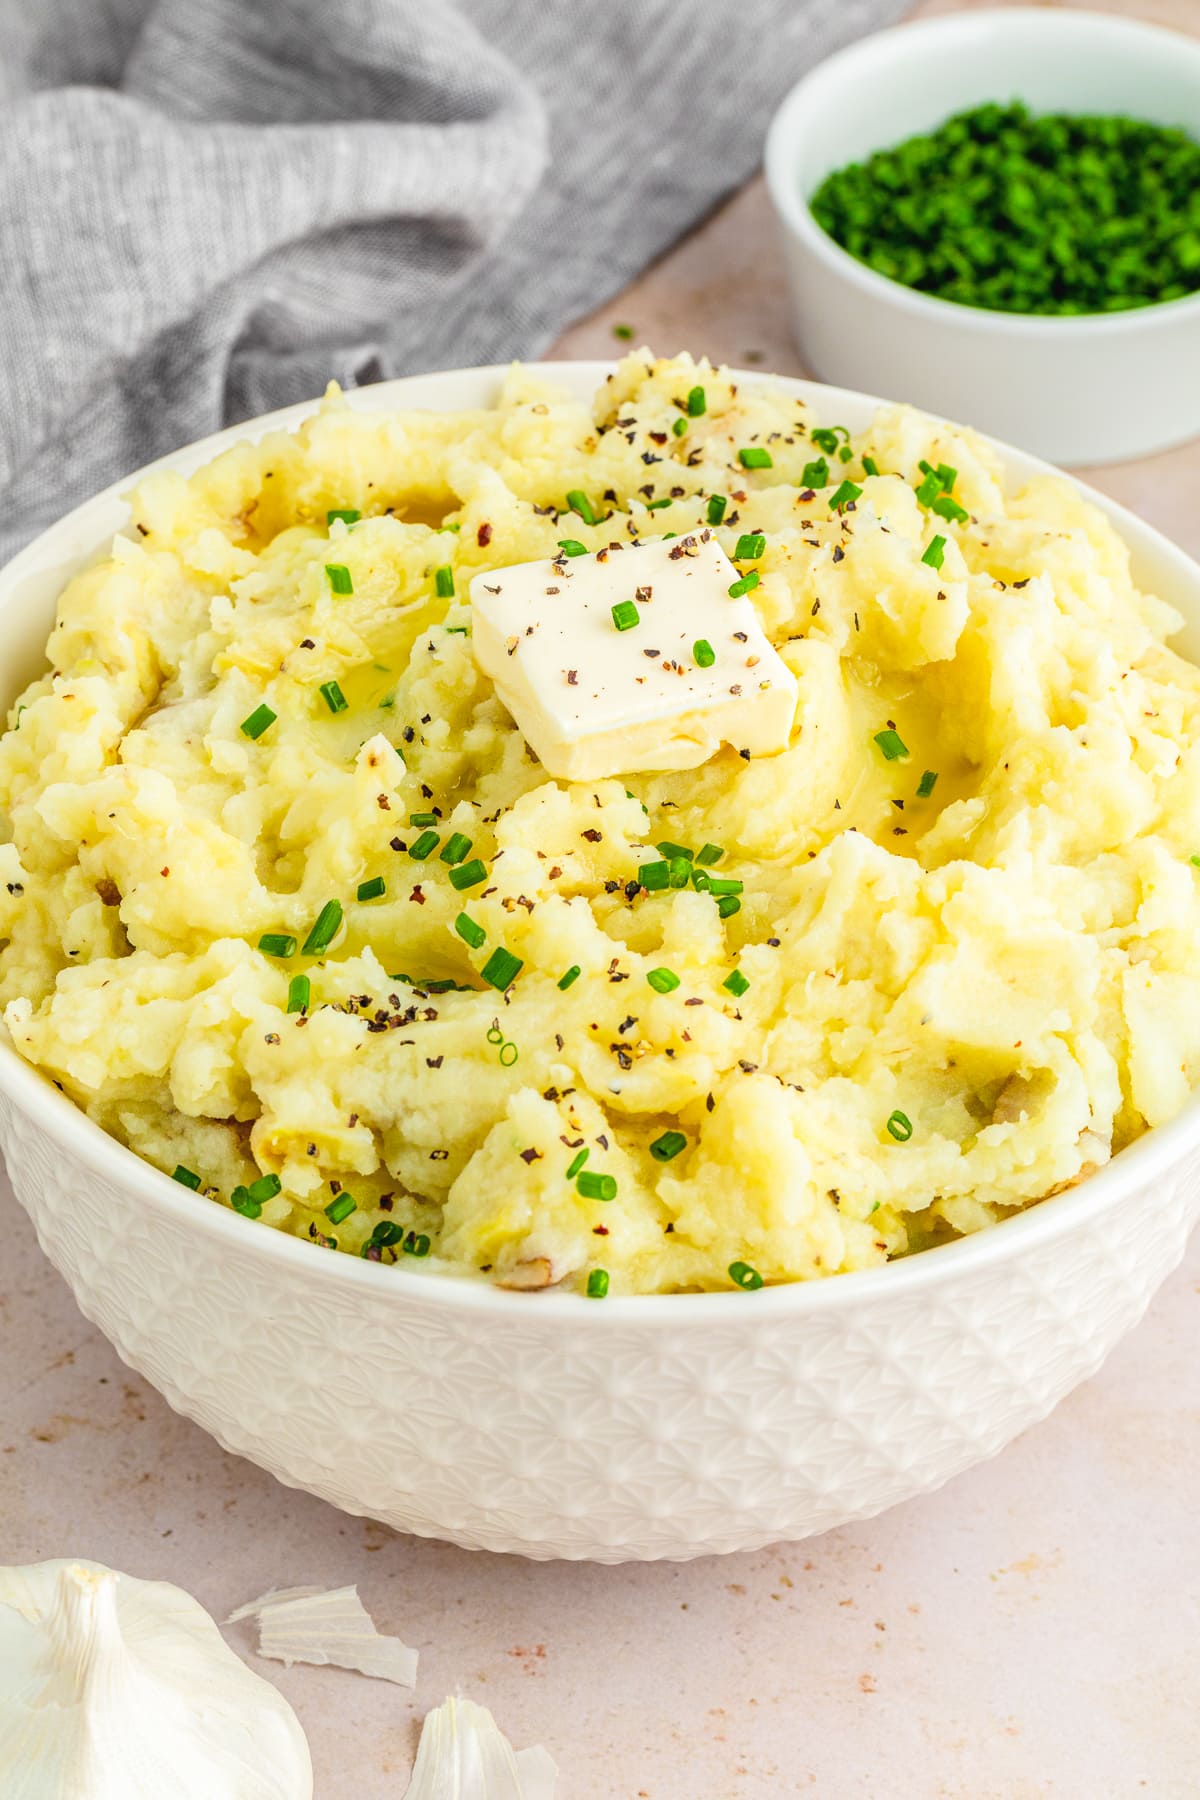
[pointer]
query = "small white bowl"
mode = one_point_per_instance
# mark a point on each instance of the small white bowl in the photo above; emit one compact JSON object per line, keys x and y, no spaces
{"x":1084,"y":389}
{"x":664,"y":1425}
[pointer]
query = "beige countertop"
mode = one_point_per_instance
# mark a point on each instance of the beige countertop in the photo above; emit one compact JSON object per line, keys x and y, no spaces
{"x":1031,"y":1630}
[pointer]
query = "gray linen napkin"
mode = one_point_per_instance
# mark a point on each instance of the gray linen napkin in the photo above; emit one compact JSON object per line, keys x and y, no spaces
{"x":209,"y":207}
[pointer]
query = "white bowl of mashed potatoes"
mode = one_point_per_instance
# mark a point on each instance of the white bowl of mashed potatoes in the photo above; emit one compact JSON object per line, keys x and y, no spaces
{"x":706,"y":1152}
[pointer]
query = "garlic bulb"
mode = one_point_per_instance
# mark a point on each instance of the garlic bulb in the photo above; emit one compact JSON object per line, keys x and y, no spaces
{"x":464,"y":1755}
{"x":327,"y":1625}
{"x":118,"y":1689}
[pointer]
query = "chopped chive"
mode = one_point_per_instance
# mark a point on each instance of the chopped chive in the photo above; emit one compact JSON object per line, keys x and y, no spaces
{"x":947,"y":476}
{"x":715,"y":511}
{"x":341,"y":1208}
{"x":576,"y":1163}
{"x":697,"y":403}
{"x":508,"y":1055}
{"x":572,"y":547}
{"x":664,"y":1148}
{"x":704,"y":653}
{"x":339,"y":578}
{"x":185,"y":1177}
{"x":657,"y":505}
{"x":277,"y":943}
{"x":443,"y":581}
{"x":935,"y":553}
{"x":679,"y":871}
{"x":735,"y":983}
{"x":755,"y":457}
{"x":456,"y":848}
{"x":927,"y":784}
{"x":425,"y":818}
{"x":870,"y":466}
{"x":815,"y":474}
{"x":700,"y":879}
{"x":259,"y":721}
{"x":708,"y":854}
{"x":679,"y":427}
{"x":502,"y":968}
{"x":749,"y":547}
{"x":374,"y":889}
{"x":299,"y":992}
{"x":891,"y":743}
{"x":724,"y":884}
{"x":743,"y":1276}
{"x":596,"y":1187}
{"x":265,"y":1188}
{"x":457,"y":630}
{"x":597,"y":1284}
{"x":241,"y":1202}
{"x":827,"y":437}
{"x":333,"y":697}
{"x":1195,"y":860}
{"x":416,"y":1243}
{"x":625,"y":615}
{"x":423,"y":846}
{"x":349,"y":515}
{"x":624,"y":332}
{"x":578,"y":502}
{"x":469,"y":931}
{"x":663,"y":981}
{"x":946,"y":508}
{"x":746,"y":585}
{"x":468,"y":874}
{"x":845,"y":454}
{"x":325,"y":929}
{"x":654,"y":876}
{"x":843,"y":495}
{"x":900,"y":1126}
{"x":569,"y":978}
{"x":727,"y":905}
{"x":669,"y":850}
{"x":929,"y":489}
{"x":386,"y":1233}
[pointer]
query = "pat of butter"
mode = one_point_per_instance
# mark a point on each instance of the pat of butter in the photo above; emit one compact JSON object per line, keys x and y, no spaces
{"x":592,"y":700}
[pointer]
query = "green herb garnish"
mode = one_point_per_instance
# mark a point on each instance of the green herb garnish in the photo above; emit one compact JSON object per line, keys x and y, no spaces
{"x":597,"y":1284}
{"x":341,"y":1208}
{"x":424,"y":845}
{"x":339,"y":578}
{"x":900,"y":1126}
{"x":668,"y":1146}
{"x":745,"y":585}
{"x":743,"y":1276}
{"x":844,"y":495}
{"x":891,"y":743}
{"x":187,"y":1178}
{"x":443,"y":582}
{"x":349,"y":515}
{"x":456,"y":848}
{"x":736,"y":983}
{"x":625,"y":615}
{"x":926,"y":784}
{"x":704,"y":653}
{"x":570,"y":977}
{"x":502,"y":968}
{"x":374,"y":889}
{"x":576,"y":1163}
{"x":935,"y":553}
{"x":333,"y":696}
{"x":572,"y":547}
{"x":299,"y":993}
{"x":663,"y":981}
{"x":259,"y":721}
{"x":468,"y":874}
{"x":749,"y":547}
{"x":596,"y":1187}
{"x":277,"y":943}
{"x":469,"y":931}
{"x":753,"y":456}
{"x":325,"y":929}
{"x":578,"y":502}
{"x":697,"y":403}
{"x":715,"y":510}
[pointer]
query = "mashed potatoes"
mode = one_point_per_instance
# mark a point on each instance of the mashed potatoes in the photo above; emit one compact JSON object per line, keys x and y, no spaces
{"x":962,"y":968}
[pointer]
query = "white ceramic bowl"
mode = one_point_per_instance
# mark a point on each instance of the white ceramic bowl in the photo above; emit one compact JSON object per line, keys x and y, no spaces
{"x":550,"y":1424}
{"x":1073,"y":390}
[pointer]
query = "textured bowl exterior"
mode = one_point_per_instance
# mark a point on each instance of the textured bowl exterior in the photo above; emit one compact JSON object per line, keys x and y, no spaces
{"x":548,"y":1424}
{"x":606,"y":1438}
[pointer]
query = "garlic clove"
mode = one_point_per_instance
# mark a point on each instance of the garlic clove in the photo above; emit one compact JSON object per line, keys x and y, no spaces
{"x":464,"y":1755}
{"x":327,"y":1626}
{"x":117,"y":1689}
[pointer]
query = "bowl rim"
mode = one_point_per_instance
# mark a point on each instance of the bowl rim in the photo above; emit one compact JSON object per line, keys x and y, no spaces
{"x":1151,"y":1157}
{"x":789,"y":128}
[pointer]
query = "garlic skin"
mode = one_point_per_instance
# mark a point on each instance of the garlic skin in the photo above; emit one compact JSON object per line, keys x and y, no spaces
{"x":327,"y":1626}
{"x":464,"y":1755}
{"x":117,"y":1689}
